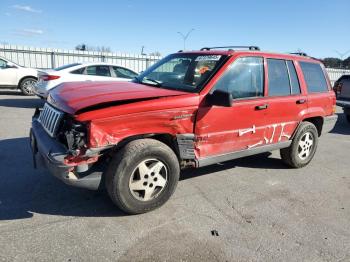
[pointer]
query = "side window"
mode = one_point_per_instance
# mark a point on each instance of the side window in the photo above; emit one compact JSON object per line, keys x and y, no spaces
{"x":244,"y":78}
{"x":98,"y":70}
{"x":123,"y":72}
{"x":3,"y":63}
{"x":314,"y":77}
{"x":294,"y":81}
{"x":79,"y":71}
{"x":278,"y":77}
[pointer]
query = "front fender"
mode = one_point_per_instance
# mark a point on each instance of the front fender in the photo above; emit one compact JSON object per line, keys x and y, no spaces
{"x":110,"y":131}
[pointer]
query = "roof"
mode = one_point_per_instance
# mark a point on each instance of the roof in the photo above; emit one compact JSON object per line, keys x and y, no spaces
{"x":250,"y":52}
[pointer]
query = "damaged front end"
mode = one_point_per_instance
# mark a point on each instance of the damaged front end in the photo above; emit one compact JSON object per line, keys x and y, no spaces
{"x":60,"y":144}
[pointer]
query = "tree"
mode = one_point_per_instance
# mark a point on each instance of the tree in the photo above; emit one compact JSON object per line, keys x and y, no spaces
{"x":155,"y":53}
{"x":346,"y":63}
{"x":84,"y":47}
{"x":81,"y":47}
{"x":333,"y":62}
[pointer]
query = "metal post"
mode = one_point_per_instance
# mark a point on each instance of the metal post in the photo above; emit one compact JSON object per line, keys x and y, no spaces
{"x":184,"y":37}
{"x":53,"y":60}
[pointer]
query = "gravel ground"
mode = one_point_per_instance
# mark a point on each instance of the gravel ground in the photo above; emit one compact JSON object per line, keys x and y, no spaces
{"x":251,"y":209}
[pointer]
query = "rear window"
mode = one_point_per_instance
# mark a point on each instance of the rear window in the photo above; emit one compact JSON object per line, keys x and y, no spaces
{"x":65,"y":66}
{"x":314,"y":77}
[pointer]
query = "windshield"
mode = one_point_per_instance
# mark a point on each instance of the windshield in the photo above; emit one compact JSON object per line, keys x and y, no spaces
{"x":181,"y":71}
{"x":65,"y":66}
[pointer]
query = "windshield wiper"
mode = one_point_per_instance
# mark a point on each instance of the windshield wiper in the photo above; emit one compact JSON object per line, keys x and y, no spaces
{"x":156,"y":82}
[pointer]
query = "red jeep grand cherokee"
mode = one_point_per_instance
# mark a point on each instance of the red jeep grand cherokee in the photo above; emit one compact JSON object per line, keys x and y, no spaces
{"x":191,"y":109}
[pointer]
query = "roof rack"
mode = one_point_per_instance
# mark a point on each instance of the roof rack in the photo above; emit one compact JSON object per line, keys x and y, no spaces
{"x":253,"y":48}
{"x":299,"y":53}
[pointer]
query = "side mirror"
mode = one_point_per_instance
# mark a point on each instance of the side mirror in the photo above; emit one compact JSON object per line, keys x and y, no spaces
{"x":220,"y":98}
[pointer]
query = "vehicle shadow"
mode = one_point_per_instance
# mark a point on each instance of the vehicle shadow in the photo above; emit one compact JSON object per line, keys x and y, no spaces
{"x":342,"y":126}
{"x":25,"y":190}
{"x":10,"y":92}
{"x":22,"y":102}
{"x":260,"y":161}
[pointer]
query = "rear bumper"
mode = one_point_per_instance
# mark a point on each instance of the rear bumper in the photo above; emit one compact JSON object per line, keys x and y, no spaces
{"x":343,"y":103}
{"x":329,"y":123}
{"x":39,"y":93}
{"x":51,"y":154}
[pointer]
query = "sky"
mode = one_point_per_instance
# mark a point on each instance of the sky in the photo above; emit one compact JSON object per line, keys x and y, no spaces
{"x":319,"y":28}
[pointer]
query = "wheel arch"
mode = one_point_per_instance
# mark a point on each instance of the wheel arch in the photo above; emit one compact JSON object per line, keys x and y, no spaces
{"x":317,"y":121}
{"x":165,"y":138}
{"x":23,"y":78}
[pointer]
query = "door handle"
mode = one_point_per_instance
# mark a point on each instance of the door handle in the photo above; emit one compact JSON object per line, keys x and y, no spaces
{"x":301,"y":101}
{"x":261,"y":107}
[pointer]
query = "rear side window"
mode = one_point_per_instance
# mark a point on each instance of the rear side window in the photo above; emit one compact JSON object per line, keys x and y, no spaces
{"x":79,"y":71}
{"x":98,"y":70}
{"x":294,"y":81}
{"x":278,"y":77}
{"x":244,"y":78}
{"x":314,"y":77}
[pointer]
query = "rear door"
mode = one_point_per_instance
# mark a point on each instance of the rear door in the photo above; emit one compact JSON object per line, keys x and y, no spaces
{"x":317,"y":87}
{"x":286,"y":102}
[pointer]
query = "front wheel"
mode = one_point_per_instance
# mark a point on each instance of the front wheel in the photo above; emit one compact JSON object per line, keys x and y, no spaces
{"x":27,"y":86}
{"x":303,"y":146}
{"x":142,"y":176}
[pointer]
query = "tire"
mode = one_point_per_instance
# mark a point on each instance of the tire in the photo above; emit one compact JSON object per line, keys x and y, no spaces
{"x":142,"y":176}
{"x":303,"y":146}
{"x":27,"y":85}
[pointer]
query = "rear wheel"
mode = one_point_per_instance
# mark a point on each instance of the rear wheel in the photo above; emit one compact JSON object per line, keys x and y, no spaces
{"x":27,"y":86}
{"x":303,"y":146}
{"x":142,"y":176}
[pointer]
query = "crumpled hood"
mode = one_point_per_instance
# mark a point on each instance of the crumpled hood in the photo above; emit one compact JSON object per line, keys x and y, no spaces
{"x":74,"y":96}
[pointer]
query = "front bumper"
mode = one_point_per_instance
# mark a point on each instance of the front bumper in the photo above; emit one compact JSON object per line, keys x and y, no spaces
{"x":329,"y":123}
{"x":50,"y":153}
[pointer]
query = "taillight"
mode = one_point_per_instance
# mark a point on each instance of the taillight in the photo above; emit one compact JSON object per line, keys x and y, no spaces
{"x":49,"y":77}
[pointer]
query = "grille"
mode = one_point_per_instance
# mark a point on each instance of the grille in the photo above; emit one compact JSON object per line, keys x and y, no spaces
{"x":50,"y":119}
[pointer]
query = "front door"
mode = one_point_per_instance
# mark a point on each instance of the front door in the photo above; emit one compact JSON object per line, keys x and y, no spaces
{"x":8,"y":76}
{"x":222,"y":130}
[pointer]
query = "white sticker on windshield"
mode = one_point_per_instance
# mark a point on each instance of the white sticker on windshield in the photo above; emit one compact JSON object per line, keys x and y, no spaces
{"x":208,"y":58}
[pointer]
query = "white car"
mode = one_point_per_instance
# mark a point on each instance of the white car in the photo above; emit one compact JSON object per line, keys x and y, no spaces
{"x":49,"y":79}
{"x":16,"y":76}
